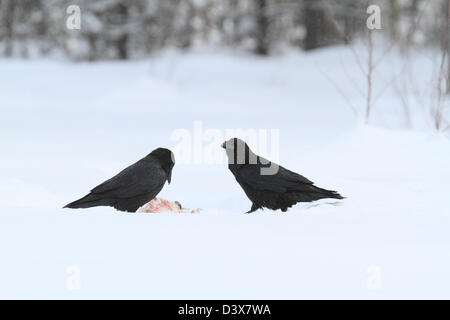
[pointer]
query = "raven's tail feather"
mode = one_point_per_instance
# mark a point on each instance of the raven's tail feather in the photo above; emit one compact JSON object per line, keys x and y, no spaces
{"x":313,"y":193}
{"x":324,"y":193}
{"x":88,"y":201}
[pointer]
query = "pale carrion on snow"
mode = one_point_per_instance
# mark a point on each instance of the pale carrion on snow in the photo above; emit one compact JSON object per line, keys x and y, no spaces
{"x":162,"y":205}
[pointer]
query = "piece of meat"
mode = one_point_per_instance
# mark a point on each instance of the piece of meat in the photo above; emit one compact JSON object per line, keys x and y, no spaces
{"x":163,"y":205}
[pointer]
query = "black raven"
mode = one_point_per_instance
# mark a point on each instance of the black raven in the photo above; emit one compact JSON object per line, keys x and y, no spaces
{"x":134,"y":186}
{"x":267,"y":184}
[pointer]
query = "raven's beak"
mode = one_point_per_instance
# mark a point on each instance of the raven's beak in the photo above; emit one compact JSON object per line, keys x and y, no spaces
{"x":223,"y":145}
{"x":169,"y":178}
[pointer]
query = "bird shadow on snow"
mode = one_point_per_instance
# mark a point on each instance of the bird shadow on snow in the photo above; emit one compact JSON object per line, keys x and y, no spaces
{"x":315,"y":204}
{"x":298,"y":208}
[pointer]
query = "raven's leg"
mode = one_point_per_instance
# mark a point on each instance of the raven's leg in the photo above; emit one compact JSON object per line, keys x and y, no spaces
{"x":253,"y":209}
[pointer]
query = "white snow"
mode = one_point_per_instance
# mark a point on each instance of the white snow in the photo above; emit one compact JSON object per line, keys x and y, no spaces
{"x":66,"y":127}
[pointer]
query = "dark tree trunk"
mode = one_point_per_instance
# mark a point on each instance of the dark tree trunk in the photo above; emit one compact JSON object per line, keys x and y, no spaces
{"x":122,"y":47}
{"x":316,"y":24}
{"x":7,"y":7}
{"x":262,"y":26}
{"x":446,"y":43}
{"x":122,"y":41}
{"x":351,"y":23}
{"x":92,"y":41}
{"x":185,"y":35}
{"x":394,"y":18}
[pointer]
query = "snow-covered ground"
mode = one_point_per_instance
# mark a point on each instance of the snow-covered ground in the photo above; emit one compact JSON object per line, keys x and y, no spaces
{"x":66,"y":127}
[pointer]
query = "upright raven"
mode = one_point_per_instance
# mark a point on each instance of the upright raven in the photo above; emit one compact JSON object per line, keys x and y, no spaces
{"x":134,"y":186}
{"x":267,"y":184}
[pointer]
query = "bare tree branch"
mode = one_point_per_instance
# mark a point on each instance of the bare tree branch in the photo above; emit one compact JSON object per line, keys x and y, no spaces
{"x":341,"y":92}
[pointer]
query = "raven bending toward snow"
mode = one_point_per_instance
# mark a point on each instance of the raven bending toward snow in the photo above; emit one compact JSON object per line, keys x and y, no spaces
{"x":267,"y":184}
{"x":134,"y":186}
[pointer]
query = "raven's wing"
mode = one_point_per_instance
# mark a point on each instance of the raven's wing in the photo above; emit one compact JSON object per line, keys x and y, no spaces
{"x":145,"y":176}
{"x":283,"y":180}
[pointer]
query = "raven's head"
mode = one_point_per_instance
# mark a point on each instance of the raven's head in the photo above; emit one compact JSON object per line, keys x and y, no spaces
{"x":167,"y":159}
{"x":233,"y":144}
{"x":238,"y":152}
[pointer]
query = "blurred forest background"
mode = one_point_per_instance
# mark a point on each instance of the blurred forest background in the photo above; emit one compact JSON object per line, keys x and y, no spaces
{"x":136,"y":29}
{"x":129,"y":29}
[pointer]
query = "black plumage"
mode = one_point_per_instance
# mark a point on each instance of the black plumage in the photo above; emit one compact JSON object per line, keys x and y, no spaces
{"x":134,"y":186}
{"x":268,"y":184}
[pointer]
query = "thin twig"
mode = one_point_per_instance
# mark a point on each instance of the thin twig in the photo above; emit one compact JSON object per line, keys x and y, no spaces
{"x":447,"y":128}
{"x":346,"y":38}
{"x":402,"y":92}
{"x":387,"y":85}
{"x":339,"y":90}
{"x":438,"y":114}
{"x":369,"y":78}
{"x":355,"y":84}
{"x":383,"y":55}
